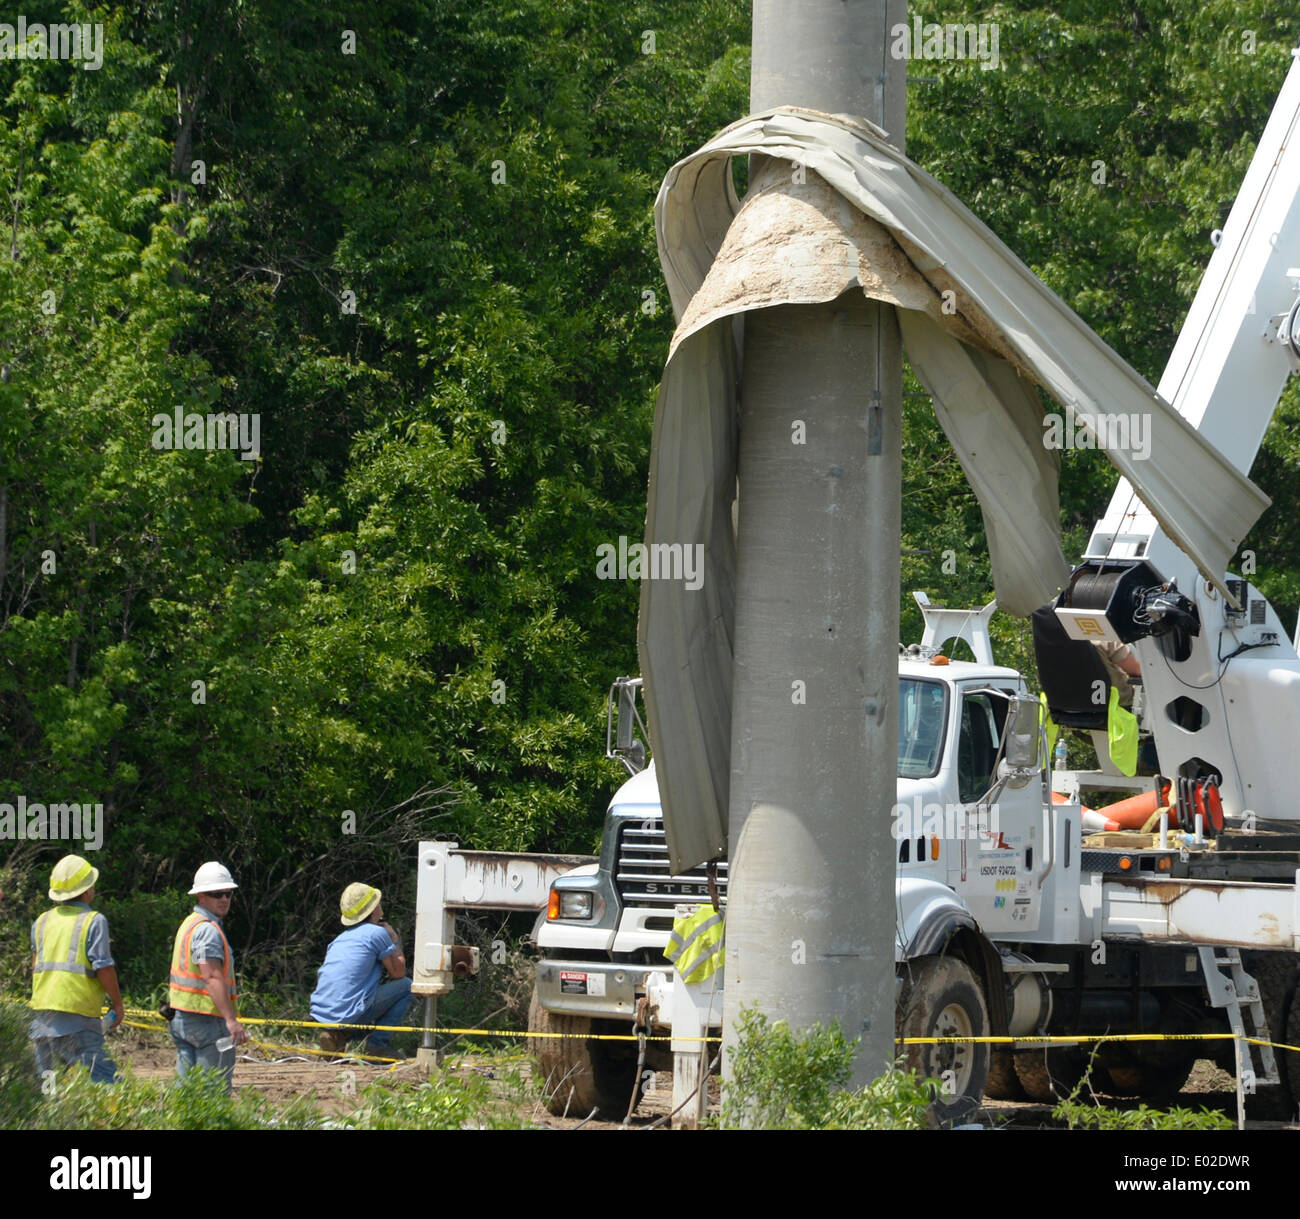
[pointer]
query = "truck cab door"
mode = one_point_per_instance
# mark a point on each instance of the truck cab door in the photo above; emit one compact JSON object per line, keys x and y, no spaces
{"x":998,"y":853}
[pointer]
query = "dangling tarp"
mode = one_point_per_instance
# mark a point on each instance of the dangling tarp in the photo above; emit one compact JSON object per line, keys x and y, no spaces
{"x":979,"y":328}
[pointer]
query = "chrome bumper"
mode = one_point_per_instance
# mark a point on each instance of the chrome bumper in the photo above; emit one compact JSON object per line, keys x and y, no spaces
{"x":591,"y":988}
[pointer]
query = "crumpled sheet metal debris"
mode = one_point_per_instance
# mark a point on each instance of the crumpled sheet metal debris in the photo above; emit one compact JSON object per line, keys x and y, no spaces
{"x":979,"y":328}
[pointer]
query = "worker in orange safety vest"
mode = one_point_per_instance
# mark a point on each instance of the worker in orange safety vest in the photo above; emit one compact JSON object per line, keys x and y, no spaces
{"x":201,"y":992}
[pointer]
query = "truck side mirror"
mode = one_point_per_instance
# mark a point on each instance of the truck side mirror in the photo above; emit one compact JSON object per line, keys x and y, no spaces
{"x":635,"y":755}
{"x":627,"y":717}
{"x":1023,"y":722}
{"x":621,"y":740}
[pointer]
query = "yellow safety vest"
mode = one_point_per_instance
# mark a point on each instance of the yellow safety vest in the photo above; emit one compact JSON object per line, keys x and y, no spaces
{"x":62,"y":979}
{"x":187,"y":991}
{"x":1050,"y":724}
{"x":1121,"y":734}
{"x":695,"y":947}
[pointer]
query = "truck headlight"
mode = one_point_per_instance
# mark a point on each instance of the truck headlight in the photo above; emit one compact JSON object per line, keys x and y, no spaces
{"x":578,"y":904}
{"x":575,"y":904}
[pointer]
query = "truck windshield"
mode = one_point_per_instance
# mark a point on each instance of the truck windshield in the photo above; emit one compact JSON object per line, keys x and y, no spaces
{"x":921,"y":722}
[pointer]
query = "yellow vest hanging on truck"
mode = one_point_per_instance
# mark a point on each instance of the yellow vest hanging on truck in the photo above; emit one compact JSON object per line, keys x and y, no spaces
{"x":1049,"y":724}
{"x":1122,"y":736}
{"x":62,"y":979}
{"x":695,"y":946}
{"x":1121,"y":733}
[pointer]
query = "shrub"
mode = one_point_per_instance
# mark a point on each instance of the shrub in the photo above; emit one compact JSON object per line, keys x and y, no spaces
{"x":779,"y":1080}
{"x":898,"y":1100}
{"x":23,"y":879}
{"x":20,"y":1087}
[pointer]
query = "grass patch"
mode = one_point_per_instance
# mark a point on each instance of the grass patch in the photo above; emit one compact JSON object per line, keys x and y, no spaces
{"x":492,"y":1094}
{"x":1079,"y":1115}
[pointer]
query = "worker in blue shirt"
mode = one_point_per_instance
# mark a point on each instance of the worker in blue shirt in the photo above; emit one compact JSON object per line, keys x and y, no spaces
{"x":348,"y":987}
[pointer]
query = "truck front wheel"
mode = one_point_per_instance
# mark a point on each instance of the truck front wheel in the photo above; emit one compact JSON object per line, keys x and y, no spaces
{"x":941,"y":997}
{"x":578,"y":1074}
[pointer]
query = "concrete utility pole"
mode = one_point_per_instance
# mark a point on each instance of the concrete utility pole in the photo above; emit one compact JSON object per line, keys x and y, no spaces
{"x":810,"y":920}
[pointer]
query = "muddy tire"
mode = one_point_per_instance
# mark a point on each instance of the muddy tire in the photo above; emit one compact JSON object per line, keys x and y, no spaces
{"x":1154,"y":1074}
{"x":1289,"y":1060}
{"x":941,"y":997}
{"x":1049,"y":1074}
{"x":1003,"y":1082}
{"x":579,"y":1075}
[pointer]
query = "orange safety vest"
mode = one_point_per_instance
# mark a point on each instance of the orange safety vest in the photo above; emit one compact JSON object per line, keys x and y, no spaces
{"x":187,"y":991}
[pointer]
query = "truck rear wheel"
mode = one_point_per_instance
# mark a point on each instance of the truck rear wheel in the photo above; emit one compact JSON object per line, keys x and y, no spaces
{"x":1154,"y":1073}
{"x":1289,"y":1060}
{"x":577,"y":1074}
{"x":941,"y":997}
{"x":1003,"y":1083}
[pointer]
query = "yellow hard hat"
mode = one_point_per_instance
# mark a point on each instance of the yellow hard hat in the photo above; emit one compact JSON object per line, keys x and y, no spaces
{"x":357,"y":902}
{"x":71,"y":877}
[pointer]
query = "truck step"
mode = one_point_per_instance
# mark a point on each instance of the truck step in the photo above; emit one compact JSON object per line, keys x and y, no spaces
{"x":1235,"y":991}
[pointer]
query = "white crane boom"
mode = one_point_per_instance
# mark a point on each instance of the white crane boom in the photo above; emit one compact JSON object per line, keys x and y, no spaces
{"x":1228,"y":698}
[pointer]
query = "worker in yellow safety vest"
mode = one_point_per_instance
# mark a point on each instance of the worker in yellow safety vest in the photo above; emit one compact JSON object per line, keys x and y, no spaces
{"x":201,"y":992}
{"x":72,"y":972}
{"x":1121,"y":738}
{"x":695,"y":947}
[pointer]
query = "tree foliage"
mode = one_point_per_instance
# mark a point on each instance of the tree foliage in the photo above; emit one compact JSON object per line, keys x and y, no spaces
{"x":416,"y":241}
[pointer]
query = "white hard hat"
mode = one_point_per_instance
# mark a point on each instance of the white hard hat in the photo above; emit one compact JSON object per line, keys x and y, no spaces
{"x":212,"y":877}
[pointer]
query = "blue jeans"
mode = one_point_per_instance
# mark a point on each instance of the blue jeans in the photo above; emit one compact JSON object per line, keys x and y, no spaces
{"x":85,"y":1049}
{"x":196,"y":1036}
{"x":391,"y":1002}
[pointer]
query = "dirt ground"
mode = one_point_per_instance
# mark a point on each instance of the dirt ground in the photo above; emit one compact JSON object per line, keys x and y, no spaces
{"x":282,"y":1074}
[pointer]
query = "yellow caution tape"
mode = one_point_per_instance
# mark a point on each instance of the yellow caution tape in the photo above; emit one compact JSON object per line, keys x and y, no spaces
{"x":447,"y":1032}
{"x":1083,"y":1038}
{"x":1057,"y":1039}
{"x":270,"y":1045}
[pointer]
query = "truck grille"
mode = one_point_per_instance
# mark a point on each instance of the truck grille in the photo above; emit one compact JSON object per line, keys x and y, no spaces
{"x":642,"y":876}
